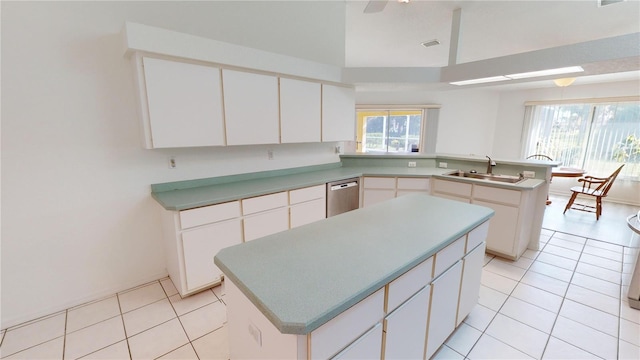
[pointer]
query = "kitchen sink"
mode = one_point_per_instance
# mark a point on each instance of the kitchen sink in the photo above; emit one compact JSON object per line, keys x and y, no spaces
{"x":491,"y":177}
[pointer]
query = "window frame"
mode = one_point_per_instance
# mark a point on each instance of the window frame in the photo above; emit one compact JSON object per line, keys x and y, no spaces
{"x":587,"y":158}
{"x":428,"y":125}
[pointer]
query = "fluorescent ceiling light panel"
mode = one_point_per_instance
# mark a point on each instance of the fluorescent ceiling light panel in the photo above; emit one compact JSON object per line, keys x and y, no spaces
{"x":565,"y":70}
{"x":480,"y":81}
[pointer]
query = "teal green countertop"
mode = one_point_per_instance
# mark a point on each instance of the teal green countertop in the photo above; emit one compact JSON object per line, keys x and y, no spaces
{"x":303,"y":277}
{"x":202,"y":192}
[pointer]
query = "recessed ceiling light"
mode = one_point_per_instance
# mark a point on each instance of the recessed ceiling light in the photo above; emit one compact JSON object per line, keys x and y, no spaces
{"x":430,"y":43}
{"x":404,"y":1}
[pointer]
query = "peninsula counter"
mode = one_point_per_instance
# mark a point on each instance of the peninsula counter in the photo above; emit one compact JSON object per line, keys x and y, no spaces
{"x":350,"y":283}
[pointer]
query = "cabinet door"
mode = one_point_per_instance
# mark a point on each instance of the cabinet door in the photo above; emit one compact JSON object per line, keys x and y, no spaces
{"x":338,"y":113}
{"x":453,"y":188}
{"x":470,"y":287}
{"x":251,"y":108}
{"x":308,"y":212}
{"x":501,"y":237}
{"x":201,"y":245}
{"x":368,"y":346}
{"x":452,"y":197}
{"x":406,"y":328}
{"x":184,"y":103}
{"x":299,"y":111}
{"x":265,"y":223}
{"x":374,"y":196}
{"x":339,"y":332}
{"x":444,"y":305}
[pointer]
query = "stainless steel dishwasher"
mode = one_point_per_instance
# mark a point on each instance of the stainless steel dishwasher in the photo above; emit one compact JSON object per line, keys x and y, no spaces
{"x":343,"y":196}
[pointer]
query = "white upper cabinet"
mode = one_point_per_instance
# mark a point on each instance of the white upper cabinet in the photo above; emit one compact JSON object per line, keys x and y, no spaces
{"x":251,"y":108}
{"x":184,"y":103}
{"x":338,"y":113}
{"x":299,"y":111}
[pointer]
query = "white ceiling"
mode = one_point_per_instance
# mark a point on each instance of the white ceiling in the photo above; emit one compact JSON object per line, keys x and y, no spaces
{"x":488,"y":29}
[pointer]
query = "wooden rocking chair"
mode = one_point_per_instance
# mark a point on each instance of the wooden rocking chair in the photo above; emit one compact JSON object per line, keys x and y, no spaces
{"x":592,"y":186}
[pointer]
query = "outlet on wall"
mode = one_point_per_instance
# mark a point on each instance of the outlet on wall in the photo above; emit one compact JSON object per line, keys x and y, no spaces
{"x":270,"y":154}
{"x":412,"y":164}
{"x":529,"y":174}
{"x":172,"y":163}
{"x":442,"y":165}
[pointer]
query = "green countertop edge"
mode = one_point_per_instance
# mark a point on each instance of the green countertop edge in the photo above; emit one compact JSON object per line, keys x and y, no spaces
{"x":299,"y":328}
{"x":187,"y":184}
{"x":205,"y":192}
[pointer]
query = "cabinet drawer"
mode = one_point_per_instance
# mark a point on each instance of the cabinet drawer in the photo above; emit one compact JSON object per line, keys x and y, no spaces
{"x":306,"y":194}
{"x":334,"y":335}
{"x":449,"y":255}
{"x":452,"y":187}
{"x":209,"y":214}
{"x":379,"y":183}
{"x":263,"y":203}
{"x":413,"y":184}
{"x":477,"y":236}
{"x":505,"y":196}
{"x":408,"y":284}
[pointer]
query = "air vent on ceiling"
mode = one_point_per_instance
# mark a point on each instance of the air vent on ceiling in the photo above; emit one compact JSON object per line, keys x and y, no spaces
{"x":430,"y":43}
{"x":609,"y":2}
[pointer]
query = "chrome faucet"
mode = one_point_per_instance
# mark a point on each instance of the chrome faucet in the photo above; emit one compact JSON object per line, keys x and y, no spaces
{"x":490,"y":163}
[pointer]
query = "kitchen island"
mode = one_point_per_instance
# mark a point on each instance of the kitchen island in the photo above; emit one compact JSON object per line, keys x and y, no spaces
{"x":358,"y":283}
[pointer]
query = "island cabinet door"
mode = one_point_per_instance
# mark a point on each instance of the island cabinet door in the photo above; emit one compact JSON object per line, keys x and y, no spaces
{"x":335,"y":336}
{"x":470,"y":287}
{"x":368,"y":346}
{"x":405,"y":328}
{"x":201,"y":244}
{"x":443,"y":309}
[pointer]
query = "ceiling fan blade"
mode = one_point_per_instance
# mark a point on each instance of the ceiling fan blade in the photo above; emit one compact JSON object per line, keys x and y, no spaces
{"x":375,"y":6}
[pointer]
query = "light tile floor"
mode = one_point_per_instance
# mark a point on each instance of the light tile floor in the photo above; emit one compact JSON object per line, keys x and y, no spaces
{"x":565,"y":301}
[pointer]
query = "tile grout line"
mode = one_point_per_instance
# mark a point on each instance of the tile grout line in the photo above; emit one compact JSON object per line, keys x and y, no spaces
{"x":180,"y":322}
{"x":126,"y":337}
{"x":498,"y":312}
{"x":555,"y":321}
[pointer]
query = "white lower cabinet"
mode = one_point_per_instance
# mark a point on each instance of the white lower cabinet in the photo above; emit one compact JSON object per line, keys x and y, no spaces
{"x":307,"y":212}
{"x":444,"y":307}
{"x":510,"y":231}
{"x":405,"y":328}
{"x":307,"y":205}
{"x":265,"y":223}
{"x":201,"y":244}
{"x":503,"y":229}
{"x":379,"y":189}
{"x":374,"y":196}
{"x":193,"y":237}
{"x":470,"y":286}
{"x":368,"y":346}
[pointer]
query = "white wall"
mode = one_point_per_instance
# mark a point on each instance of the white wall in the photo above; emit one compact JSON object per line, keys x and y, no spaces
{"x":467,"y":117}
{"x":78,"y":221}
